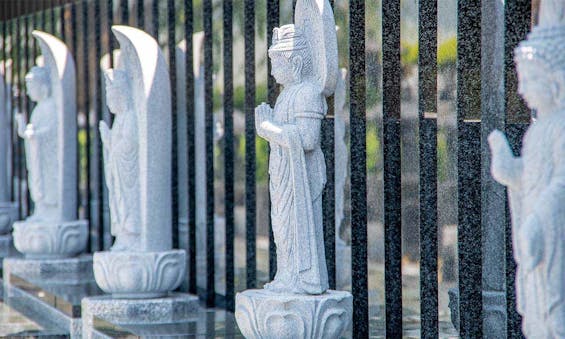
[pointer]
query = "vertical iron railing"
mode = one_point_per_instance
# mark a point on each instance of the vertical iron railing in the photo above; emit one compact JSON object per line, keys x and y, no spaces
{"x":517,"y":18}
{"x":209,"y":126}
{"x":357,"y":88}
{"x":229,"y":162}
{"x":469,"y":167}
{"x":392,"y":167}
{"x":250,"y":196}
{"x":427,"y":115}
{"x":190,"y":126}
{"x":171,"y":15}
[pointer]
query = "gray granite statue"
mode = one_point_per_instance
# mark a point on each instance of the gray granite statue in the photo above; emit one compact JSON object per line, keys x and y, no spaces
{"x":304,"y":62}
{"x":536,"y":180}
{"x":137,"y":163}
{"x":52,"y":231}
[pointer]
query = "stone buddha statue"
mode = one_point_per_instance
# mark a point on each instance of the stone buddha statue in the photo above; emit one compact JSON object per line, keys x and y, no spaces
{"x":536,"y":180}
{"x":296,"y":165}
{"x":121,"y":167}
{"x":40,"y":136}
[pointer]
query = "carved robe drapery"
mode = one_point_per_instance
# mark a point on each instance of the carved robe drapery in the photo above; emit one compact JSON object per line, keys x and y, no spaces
{"x":538,"y":232}
{"x":297,"y":179}
{"x":122,"y":175}
{"x":41,"y":158}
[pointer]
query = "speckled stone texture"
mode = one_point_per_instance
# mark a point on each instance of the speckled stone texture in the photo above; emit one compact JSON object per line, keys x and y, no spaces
{"x":265,"y":314}
{"x":66,"y":270}
{"x":46,"y":240}
{"x":176,"y":308}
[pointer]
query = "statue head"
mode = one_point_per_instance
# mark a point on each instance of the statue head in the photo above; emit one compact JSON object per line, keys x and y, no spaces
{"x":540,"y":62}
{"x":118,"y":93}
{"x":291,"y":55}
{"x":37,"y":83}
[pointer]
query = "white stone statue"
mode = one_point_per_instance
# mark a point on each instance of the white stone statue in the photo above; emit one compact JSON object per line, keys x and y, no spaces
{"x":52,"y":231}
{"x":137,"y":163}
{"x":304,"y":61}
{"x":536,"y":180}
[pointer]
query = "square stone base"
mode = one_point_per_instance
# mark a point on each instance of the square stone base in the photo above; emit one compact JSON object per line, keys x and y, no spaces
{"x":68,"y":270}
{"x":174,"y":309}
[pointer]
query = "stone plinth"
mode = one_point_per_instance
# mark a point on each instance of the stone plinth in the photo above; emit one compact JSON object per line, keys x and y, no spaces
{"x":174,"y":309}
{"x":265,"y":314}
{"x":9,"y":212}
{"x":50,"y":240}
{"x":66,"y":270}
{"x":136,"y":275}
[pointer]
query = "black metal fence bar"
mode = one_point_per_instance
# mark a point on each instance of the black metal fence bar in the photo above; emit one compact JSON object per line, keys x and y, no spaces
{"x":357,"y":87}
{"x":250,"y":197}
{"x":229,"y":154}
{"x":391,"y":170}
{"x":188,"y":31}
{"x":209,"y":122}
{"x":171,"y":14}
{"x":98,"y":170}
{"x":469,"y":167}
{"x":427,"y":86}
{"x":124,"y":12}
{"x":140,"y":15}
{"x":18,"y":108}
{"x":518,"y":18}
{"x":272,"y":91}
{"x":87,"y":126}
{"x":155,"y":19}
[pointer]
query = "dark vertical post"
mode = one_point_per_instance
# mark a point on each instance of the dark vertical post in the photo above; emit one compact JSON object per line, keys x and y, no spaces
{"x":111,"y":39}
{"x":124,"y":12}
{"x":209,"y":122}
{"x":27,"y":40}
{"x":140,"y":14}
{"x":98,"y":170}
{"x":155,"y":19}
{"x":52,"y":12}
{"x":62,"y":18}
{"x":173,"y":72}
{"x":328,"y":197}
{"x":250,"y":206}
{"x":19,"y":92}
{"x":86,"y":93}
{"x":79,"y":81}
{"x":272,"y":91}
{"x":189,"y":70}
{"x":229,"y":162}
{"x":357,"y":88}
{"x":517,"y":18}
{"x":469,"y":167}
{"x":15,"y":137}
{"x":427,"y":95}
{"x":391,"y":161}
